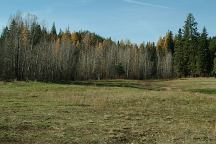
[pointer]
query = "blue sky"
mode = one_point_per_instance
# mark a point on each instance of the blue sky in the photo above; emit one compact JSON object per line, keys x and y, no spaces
{"x":137,"y":20}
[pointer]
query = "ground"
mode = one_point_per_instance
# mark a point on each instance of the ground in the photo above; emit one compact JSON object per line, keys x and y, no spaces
{"x":115,"y":112}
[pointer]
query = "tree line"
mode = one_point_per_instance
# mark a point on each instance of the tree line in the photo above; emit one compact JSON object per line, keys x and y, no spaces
{"x":29,"y":51}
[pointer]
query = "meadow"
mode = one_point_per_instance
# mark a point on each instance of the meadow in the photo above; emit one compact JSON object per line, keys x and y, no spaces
{"x":109,"y":112}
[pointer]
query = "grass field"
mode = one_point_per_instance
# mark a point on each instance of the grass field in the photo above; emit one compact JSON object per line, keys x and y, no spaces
{"x":115,"y":112}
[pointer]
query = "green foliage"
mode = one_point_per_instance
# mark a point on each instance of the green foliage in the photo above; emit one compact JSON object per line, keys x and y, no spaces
{"x":203,"y":55}
{"x":214,"y":66}
{"x":205,"y":91}
{"x":190,"y":45}
{"x":212,"y":49}
{"x":179,"y":55}
{"x":120,"y":70}
{"x":53,"y":30}
{"x":192,"y":56}
{"x":169,"y":42}
{"x":35,"y":33}
{"x":53,"y":33}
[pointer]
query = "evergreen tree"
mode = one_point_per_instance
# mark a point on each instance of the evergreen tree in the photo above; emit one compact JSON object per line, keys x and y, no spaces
{"x":212,"y":49}
{"x":190,"y":45}
{"x":203,"y":56}
{"x":60,"y":33}
{"x":35,"y":34}
{"x":169,"y":42}
{"x":120,"y":70}
{"x":12,"y":51}
{"x":3,"y":54}
{"x":214,"y":67}
{"x":179,"y":55}
{"x":53,"y":33}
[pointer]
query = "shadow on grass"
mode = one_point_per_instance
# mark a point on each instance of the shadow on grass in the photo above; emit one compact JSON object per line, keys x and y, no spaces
{"x":205,"y":91}
{"x":120,"y":83}
{"x":154,"y":85}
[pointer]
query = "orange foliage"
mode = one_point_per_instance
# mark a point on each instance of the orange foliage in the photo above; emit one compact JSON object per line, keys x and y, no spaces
{"x":57,"y":46}
{"x":74,"y":37}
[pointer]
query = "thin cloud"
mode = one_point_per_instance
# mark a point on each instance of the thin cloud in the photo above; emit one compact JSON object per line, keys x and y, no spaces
{"x":145,"y":4}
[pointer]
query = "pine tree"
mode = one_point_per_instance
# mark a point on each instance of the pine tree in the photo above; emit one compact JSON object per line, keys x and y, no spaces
{"x":203,"y":56}
{"x":3,"y":52}
{"x":1,"y":58}
{"x":120,"y":70}
{"x":190,"y":45}
{"x":212,"y":49}
{"x":169,"y":42}
{"x":151,"y":61}
{"x":214,"y":67}
{"x":13,"y":50}
{"x":35,"y":34}
{"x":179,"y":55}
{"x":53,"y":33}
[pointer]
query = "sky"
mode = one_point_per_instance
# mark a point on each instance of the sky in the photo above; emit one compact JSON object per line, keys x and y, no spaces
{"x":134,"y":20}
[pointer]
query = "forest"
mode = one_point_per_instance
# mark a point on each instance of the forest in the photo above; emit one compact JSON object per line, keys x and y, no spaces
{"x":31,"y":51}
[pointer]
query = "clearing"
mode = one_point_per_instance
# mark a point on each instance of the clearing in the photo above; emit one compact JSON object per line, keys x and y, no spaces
{"x":113,"y":111}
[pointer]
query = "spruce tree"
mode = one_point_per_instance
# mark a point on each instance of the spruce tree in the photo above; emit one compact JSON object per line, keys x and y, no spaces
{"x":190,"y":45}
{"x":214,"y":67}
{"x":212,"y":49}
{"x":53,"y":33}
{"x":169,"y":42}
{"x":179,"y":55}
{"x":203,"y":57}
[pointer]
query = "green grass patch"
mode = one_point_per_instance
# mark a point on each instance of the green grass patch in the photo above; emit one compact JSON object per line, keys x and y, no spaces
{"x":205,"y":91}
